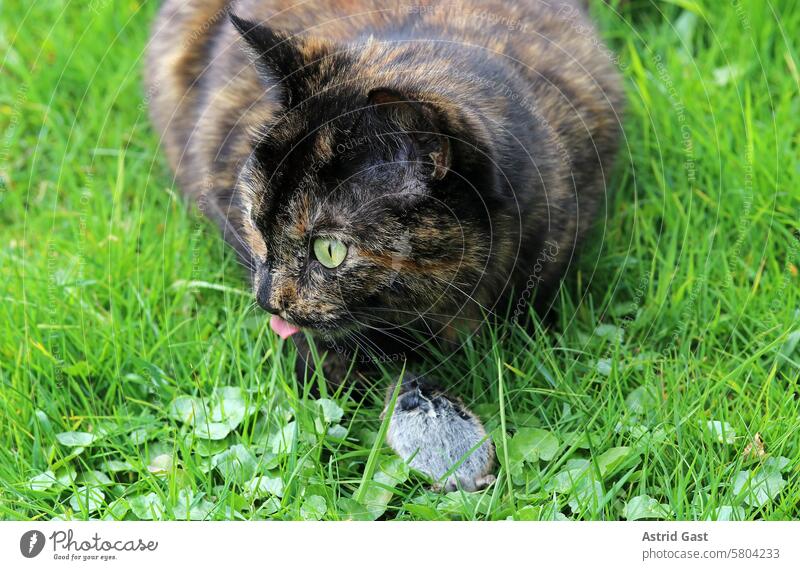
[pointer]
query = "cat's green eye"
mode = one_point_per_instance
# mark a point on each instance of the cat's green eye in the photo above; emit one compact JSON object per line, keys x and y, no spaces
{"x":329,"y":252}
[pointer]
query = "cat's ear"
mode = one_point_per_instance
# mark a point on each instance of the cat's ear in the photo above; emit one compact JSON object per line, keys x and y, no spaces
{"x":278,"y":56}
{"x":420,"y":121}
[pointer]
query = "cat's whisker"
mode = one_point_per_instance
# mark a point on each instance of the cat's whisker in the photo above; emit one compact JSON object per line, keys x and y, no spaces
{"x":422,"y":314}
{"x":249,"y":266}
{"x":407,"y":327}
{"x":369,"y":342}
{"x":468,"y":296}
{"x":360,"y":341}
{"x":403,"y":340}
{"x":365,"y":343}
{"x":370,"y":318}
{"x":430,"y":325}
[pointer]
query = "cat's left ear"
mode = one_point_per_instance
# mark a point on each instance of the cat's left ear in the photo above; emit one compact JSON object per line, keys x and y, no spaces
{"x":421,"y":121}
{"x":280,"y":57}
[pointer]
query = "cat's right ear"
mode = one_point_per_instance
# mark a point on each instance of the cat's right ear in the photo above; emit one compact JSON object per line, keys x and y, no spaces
{"x":280,"y":57}
{"x":422,"y":123}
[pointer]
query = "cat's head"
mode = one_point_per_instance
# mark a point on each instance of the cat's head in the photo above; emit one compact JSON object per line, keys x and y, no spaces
{"x":370,"y":200}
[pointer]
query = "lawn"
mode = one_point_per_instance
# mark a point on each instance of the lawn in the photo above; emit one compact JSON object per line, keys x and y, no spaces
{"x":137,"y":381}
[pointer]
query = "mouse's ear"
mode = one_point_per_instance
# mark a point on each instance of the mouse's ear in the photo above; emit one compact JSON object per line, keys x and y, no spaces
{"x":421,"y":121}
{"x":290,"y":61}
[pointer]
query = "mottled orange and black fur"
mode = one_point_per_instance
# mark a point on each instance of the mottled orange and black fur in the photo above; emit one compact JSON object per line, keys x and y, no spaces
{"x":460,"y":150}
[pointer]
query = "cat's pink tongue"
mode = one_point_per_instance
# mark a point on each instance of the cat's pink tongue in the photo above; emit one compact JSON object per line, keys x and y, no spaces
{"x":284,"y":329}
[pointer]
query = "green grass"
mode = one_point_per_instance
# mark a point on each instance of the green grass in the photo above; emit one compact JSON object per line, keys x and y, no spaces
{"x":122,"y":312}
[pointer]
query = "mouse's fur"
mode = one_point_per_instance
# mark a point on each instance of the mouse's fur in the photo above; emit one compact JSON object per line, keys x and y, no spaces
{"x":439,"y":436}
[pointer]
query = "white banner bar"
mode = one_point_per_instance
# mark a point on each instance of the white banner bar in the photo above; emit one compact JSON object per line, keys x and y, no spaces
{"x":389,"y":545}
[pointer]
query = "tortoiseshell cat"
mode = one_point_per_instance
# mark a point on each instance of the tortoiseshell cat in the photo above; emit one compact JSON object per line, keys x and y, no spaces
{"x":385,"y":169}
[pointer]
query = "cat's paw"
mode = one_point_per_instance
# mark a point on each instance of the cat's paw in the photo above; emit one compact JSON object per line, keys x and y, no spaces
{"x":437,"y":435}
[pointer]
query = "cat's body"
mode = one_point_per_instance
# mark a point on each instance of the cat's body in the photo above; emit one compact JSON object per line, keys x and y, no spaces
{"x":453,"y":153}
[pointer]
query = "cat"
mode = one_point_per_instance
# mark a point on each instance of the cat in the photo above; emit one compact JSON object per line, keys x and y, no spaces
{"x":385,"y":170}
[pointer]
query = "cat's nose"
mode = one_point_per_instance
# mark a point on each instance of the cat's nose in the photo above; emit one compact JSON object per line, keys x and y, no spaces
{"x":264,"y":292}
{"x":263,"y":302}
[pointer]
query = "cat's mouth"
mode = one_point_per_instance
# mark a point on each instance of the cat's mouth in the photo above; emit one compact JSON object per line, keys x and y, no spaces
{"x":285,"y":329}
{"x":282,"y":328}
